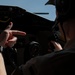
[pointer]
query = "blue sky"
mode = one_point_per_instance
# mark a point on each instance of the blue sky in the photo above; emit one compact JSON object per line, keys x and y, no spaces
{"x":33,"y":6}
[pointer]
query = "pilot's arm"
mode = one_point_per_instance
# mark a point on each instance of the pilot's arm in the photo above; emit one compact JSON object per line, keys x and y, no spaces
{"x":2,"y":66}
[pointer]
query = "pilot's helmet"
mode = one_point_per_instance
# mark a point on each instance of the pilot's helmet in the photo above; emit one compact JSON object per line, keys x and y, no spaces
{"x":65,"y":8}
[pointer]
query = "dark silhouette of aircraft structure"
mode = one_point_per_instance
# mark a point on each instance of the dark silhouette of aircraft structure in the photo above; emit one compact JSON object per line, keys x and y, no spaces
{"x":22,"y":19}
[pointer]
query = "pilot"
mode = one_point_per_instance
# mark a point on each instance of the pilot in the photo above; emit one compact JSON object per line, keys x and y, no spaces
{"x":59,"y":62}
{"x":7,"y":39}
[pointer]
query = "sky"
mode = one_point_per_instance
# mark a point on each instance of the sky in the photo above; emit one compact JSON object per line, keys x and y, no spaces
{"x":33,"y":6}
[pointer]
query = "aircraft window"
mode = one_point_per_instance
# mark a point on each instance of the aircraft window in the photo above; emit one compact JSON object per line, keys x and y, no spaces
{"x":37,"y":7}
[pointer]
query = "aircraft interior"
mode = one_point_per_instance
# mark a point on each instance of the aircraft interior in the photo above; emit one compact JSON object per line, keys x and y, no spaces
{"x":39,"y":34}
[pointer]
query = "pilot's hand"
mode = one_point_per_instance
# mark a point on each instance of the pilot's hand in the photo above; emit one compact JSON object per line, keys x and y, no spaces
{"x":7,"y":37}
{"x":57,"y":46}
